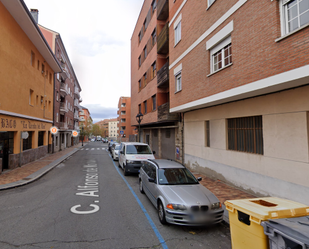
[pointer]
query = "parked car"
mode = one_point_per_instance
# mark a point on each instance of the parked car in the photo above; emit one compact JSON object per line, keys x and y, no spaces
{"x":115,"y":151}
{"x":178,"y":196}
{"x":92,"y":140}
{"x":132,"y":155}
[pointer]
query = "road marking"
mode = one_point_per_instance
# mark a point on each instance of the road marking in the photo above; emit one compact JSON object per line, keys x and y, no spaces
{"x":153,"y":226}
{"x":82,"y":149}
{"x":87,"y":149}
{"x":92,"y":148}
{"x":98,"y":148}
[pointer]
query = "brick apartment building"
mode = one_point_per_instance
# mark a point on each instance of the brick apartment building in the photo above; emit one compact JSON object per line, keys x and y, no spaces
{"x":126,"y":131}
{"x":239,"y":73}
{"x":67,"y":92}
{"x":150,"y":81}
{"x":27,"y":67}
{"x":110,"y":128}
{"x":85,"y":123}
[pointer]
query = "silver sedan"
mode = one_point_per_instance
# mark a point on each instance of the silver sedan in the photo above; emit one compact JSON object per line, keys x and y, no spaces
{"x":178,"y":196}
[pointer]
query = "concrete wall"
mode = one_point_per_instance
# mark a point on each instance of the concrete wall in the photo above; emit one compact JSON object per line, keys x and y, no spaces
{"x":281,"y":171}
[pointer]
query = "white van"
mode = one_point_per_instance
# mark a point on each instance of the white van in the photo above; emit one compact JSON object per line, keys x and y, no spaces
{"x":131,"y":156}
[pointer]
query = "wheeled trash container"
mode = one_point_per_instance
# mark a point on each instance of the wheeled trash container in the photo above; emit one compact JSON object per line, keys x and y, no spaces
{"x":246,"y":215}
{"x":292,"y":233}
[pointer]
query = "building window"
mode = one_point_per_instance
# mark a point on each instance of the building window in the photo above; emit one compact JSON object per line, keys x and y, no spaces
{"x":178,"y":86}
{"x":154,"y":37}
{"x":145,"y":107}
{"x":139,"y":61}
{"x":145,"y":52}
{"x":210,"y":2}
{"x":145,"y":79}
{"x":154,"y":5}
{"x":207,"y":134}
{"x":154,"y":69}
{"x":41,"y":138}
{"x":139,"y":37}
{"x":139,"y":108}
{"x":178,"y":33}
{"x":295,"y":14}
{"x":140,"y":84}
{"x":31,"y":97}
{"x":154,"y":102}
{"x":246,"y":134}
{"x":32,"y":58}
{"x":27,"y":143}
{"x":221,"y":55}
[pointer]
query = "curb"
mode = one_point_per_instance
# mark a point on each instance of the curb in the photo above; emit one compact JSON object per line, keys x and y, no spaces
{"x":38,"y":174}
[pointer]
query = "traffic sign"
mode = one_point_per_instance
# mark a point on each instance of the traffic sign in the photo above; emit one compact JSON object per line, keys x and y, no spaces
{"x":121,"y":132}
{"x":74,"y":133}
{"x":54,"y":130}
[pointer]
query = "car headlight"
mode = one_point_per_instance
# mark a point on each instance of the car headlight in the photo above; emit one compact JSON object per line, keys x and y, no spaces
{"x":176,"y":206}
{"x":216,"y":205}
{"x":116,"y":152}
{"x":129,"y":161}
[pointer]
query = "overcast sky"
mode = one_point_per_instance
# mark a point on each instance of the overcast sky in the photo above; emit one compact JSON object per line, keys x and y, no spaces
{"x":96,"y":35}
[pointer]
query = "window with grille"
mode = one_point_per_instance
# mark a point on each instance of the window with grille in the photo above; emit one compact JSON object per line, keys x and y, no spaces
{"x":246,"y":134}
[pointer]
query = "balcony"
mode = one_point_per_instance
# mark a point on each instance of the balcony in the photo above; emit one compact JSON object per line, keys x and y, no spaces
{"x":76,"y":104}
{"x":162,"y":41}
{"x":163,"y":76}
{"x":76,"y":116}
{"x":82,"y":119}
{"x":64,"y":90}
{"x":63,"y":108}
{"x":164,"y":113}
{"x":76,"y":92}
{"x":76,"y":127}
{"x":63,"y":126}
{"x":162,"y":10}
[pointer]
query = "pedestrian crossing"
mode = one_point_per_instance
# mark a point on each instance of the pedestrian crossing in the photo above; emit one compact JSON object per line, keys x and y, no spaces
{"x":101,"y":148}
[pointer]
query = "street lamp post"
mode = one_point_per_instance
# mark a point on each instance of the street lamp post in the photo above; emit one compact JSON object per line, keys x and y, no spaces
{"x":139,"y":118}
{"x":82,"y":135}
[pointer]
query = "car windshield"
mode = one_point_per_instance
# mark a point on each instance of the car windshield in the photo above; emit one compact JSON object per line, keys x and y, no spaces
{"x":138,"y":149}
{"x":117,"y":147}
{"x":176,"y":176}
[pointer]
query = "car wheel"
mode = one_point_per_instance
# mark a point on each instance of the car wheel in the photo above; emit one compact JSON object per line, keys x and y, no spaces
{"x":113,"y":157}
{"x":141,"y":186}
{"x":124,"y":170}
{"x":161,"y":213}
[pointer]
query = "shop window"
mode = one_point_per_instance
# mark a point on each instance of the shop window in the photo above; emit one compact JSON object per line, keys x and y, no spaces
{"x":27,"y":143}
{"x":41,"y":138}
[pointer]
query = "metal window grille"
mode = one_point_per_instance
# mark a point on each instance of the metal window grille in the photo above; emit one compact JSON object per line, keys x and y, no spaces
{"x":246,"y":134}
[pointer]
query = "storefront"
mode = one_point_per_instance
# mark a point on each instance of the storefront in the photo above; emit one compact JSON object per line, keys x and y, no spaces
{"x":23,"y":139}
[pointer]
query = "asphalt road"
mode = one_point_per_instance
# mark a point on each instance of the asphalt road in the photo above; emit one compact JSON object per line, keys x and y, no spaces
{"x":86,"y":202}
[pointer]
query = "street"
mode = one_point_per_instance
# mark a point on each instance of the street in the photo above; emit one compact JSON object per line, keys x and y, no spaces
{"x":86,"y":202}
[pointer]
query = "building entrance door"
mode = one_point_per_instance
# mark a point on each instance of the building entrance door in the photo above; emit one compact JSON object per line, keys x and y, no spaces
{"x":6,"y":147}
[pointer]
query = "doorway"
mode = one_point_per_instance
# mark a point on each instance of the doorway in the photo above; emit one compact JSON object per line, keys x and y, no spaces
{"x":6,"y":147}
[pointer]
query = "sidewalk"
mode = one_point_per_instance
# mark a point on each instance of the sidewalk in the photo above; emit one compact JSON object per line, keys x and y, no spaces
{"x":34,"y":170}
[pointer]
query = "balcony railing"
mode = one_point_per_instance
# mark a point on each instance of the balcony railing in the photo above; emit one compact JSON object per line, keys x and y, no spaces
{"x":76,"y":116}
{"x":64,"y":89}
{"x":76,"y":127}
{"x":63,"y":108}
{"x":162,"y":10}
{"x":76,"y":92}
{"x":164,"y":113}
{"x":162,"y":41}
{"x":163,"y":76}
{"x":63,"y":126}
{"x":76,"y":103}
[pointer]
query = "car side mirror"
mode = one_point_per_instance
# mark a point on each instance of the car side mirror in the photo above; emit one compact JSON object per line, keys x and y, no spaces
{"x":151,"y":180}
{"x":153,"y":152}
{"x":199,"y":179}
{"x":121,"y":152}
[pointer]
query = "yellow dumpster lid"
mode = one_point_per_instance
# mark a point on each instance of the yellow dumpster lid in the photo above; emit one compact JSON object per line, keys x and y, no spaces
{"x":268,"y":208}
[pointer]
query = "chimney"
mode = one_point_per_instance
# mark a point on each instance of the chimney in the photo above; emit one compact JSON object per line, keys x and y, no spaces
{"x":35,"y":14}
